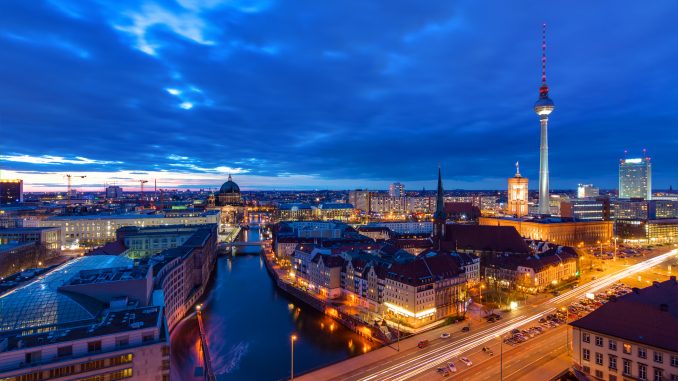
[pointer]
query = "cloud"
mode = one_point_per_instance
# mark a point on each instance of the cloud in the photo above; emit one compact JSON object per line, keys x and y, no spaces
{"x":54,"y":160}
{"x":327,"y":94}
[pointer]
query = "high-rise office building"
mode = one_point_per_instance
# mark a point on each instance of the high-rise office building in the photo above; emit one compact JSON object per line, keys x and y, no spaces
{"x":587,"y":191}
{"x":635,"y":178}
{"x":543,"y":107}
{"x":517,"y":194}
{"x":11,"y":191}
{"x":113,"y":192}
{"x":396,"y":190}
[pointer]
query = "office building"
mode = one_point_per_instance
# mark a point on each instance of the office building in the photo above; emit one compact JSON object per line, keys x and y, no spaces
{"x":587,"y":191}
{"x":11,"y":191}
{"x":635,"y":178}
{"x":97,"y":229}
{"x":396,"y":190}
{"x":639,"y":209}
{"x":647,"y":232}
{"x":113,"y":192}
{"x":586,"y":209}
{"x":631,"y":337}
{"x":517,"y":194}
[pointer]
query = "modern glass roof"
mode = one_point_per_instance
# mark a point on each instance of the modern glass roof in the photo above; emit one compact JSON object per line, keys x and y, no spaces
{"x":39,"y":303}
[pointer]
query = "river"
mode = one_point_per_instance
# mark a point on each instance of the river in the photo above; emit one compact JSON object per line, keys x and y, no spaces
{"x":249,"y":323}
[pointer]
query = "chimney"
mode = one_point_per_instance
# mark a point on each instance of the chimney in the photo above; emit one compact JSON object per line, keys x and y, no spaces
{"x":664,"y":307}
{"x":655,"y":283}
{"x":636,"y":290}
{"x":673,"y":278}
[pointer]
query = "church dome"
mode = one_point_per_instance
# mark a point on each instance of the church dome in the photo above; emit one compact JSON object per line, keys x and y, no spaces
{"x":229,"y":186}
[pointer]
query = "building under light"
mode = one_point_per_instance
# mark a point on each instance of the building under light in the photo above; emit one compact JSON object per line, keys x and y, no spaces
{"x":517,"y":194}
{"x":11,"y":191}
{"x":396,"y":190}
{"x":635,"y":178}
{"x":587,"y":191}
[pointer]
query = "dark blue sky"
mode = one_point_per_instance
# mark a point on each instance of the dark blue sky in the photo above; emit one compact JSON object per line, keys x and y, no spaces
{"x":334,"y":94}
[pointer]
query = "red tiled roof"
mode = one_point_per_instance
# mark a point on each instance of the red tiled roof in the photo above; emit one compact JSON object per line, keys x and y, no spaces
{"x":111,"y":248}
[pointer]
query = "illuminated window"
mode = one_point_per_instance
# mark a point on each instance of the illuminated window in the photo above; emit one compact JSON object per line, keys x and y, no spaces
{"x":627,"y":348}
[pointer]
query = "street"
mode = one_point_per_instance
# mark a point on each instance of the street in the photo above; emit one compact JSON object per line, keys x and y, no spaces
{"x":413,"y":363}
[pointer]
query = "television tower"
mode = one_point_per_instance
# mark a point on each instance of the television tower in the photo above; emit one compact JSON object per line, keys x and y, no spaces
{"x":543,"y":107}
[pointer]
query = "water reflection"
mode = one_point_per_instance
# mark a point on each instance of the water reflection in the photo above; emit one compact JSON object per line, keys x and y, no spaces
{"x":249,"y":323}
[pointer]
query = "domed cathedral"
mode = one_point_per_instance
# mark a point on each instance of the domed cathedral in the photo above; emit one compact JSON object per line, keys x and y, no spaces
{"x":229,"y":202}
{"x":229,"y":194}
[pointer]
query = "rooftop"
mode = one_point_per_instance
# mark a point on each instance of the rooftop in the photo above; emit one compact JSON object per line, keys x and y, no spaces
{"x":648,"y":316}
{"x":39,"y":303}
{"x":114,"y":322}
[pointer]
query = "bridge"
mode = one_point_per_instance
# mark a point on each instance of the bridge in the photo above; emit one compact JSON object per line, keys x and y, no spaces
{"x":240,"y":243}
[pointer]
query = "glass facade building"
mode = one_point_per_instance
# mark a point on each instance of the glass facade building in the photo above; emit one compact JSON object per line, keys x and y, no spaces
{"x":635,"y":178}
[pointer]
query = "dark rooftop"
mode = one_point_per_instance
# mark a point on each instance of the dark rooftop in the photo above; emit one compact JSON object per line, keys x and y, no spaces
{"x":647,"y":316}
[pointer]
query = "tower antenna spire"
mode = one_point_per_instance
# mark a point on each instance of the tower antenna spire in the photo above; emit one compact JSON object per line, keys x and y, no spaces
{"x":544,"y":89}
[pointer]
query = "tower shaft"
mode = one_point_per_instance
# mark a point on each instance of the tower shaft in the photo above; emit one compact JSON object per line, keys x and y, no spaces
{"x":544,"y":207}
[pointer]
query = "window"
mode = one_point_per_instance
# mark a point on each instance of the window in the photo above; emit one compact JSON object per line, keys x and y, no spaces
{"x":33,"y":357}
{"x":613,"y":377}
{"x":674,"y":361}
{"x":147,"y":338}
{"x":599,"y":341}
{"x":627,"y":367}
{"x":613,"y":362}
{"x":642,"y":371}
{"x":599,"y":373}
{"x":94,"y":346}
{"x":658,"y":376}
{"x":674,"y":377}
{"x":65,"y":351}
{"x":658,"y":357}
{"x":627,"y":348}
{"x":585,"y":337}
{"x":586,"y":354}
{"x":599,"y":358}
{"x":642,"y":352}
{"x":122,"y":341}
{"x":612,"y":344}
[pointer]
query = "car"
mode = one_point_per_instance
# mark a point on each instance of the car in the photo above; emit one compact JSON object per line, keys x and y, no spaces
{"x":466,"y":361}
{"x":466,"y":329}
{"x":422,"y":343}
{"x":490,"y":320}
{"x":443,"y":372}
{"x":453,"y":368}
{"x":444,"y":335}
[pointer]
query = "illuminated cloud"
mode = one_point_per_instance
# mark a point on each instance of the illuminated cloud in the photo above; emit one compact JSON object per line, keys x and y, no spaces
{"x":54,"y":160}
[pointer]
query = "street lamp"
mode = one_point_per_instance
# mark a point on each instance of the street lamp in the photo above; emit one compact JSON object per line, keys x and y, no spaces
{"x":501,"y":357}
{"x":567,"y":331}
{"x":293,"y":338}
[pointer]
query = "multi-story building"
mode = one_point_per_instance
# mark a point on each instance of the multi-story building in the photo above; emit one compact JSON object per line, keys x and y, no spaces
{"x":586,"y":209}
{"x":97,"y":229}
{"x":548,"y":265}
{"x":639,"y":209}
{"x":295,"y":212}
{"x":647,"y":232}
{"x":50,"y":238}
{"x":396,"y":190}
{"x":517,"y":194}
{"x":587,"y":191}
{"x":114,"y":192}
{"x":360,"y":199}
{"x":635,"y":178}
{"x":11,"y":191}
{"x":630,"y":337}
{"x":334,"y":211}
{"x":557,"y":230}
{"x":84,"y":321}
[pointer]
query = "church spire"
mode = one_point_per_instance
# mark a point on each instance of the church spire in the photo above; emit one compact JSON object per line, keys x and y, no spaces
{"x":440,"y":201}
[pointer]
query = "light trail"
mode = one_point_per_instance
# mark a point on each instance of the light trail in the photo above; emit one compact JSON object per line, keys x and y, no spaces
{"x":421,"y":363}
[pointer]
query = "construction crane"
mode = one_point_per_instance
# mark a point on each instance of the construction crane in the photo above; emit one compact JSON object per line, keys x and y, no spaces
{"x":69,"y":183}
{"x":142,"y":182}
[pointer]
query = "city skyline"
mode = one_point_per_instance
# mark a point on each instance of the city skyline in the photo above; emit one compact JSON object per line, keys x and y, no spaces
{"x":172,"y":92}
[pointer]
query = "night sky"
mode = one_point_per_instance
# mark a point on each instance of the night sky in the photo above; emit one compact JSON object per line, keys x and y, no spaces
{"x":334,"y":94}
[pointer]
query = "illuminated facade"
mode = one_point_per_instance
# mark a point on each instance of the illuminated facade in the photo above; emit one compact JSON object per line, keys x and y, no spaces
{"x":587,"y":190}
{"x":635,"y":178}
{"x":648,"y":232}
{"x":11,"y":191}
{"x":517,"y":194}
{"x":557,"y":230}
{"x":396,"y":190}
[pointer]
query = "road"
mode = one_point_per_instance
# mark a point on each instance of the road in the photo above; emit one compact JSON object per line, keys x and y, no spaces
{"x":413,"y":363}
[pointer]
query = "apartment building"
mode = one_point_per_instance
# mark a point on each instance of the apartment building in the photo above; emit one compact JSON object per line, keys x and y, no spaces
{"x":632,"y":337}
